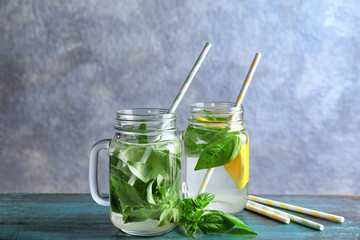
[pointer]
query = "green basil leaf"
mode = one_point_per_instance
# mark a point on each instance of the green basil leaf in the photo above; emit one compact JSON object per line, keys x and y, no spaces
{"x":156,"y":213}
{"x":141,"y":170}
{"x":159,"y":179}
{"x":237,"y":222}
{"x":126,"y":193}
{"x":149,"y":194}
{"x":113,"y":159}
{"x":159,"y":161}
{"x":157,"y":210}
{"x":190,"y":229}
{"x":125,"y":212}
{"x":173,"y":195}
{"x":186,"y":212}
{"x":190,"y":203}
{"x":197,"y":215}
{"x":162,"y":189}
{"x":212,"y":223}
{"x":182,"y":221}
{"x":196,"y":139}
{"x":219,"y":152}
{"x":165,"y":217}
{"x":114,"y":200}
{"x":131,"y":152}
{"x":175,"y":214}
{"x":119,"y":169}
{"x":162,"y":155}
{"x":159,"y":193}
{"x":138,"y":215}
{"x":205,"y":199}
{"x":140,"y":187}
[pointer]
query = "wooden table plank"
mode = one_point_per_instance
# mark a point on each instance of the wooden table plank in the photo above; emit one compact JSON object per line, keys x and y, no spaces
{"x":76,"y":216}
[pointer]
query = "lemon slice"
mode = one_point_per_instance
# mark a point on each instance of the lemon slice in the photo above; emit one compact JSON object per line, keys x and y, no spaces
{"x":207,"y":120}
{"x":238,"y":169}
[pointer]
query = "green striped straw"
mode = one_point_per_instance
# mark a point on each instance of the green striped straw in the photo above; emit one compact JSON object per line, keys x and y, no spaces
{"x":293,"y":218}
{"x":178,"y":97}
{"x":190,"y":77}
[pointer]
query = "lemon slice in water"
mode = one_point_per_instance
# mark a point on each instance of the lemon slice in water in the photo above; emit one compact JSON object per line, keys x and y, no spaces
{"x":238,"y":169}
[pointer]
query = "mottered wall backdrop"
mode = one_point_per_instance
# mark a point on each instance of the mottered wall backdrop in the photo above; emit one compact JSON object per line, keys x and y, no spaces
{"x":66,"y":67}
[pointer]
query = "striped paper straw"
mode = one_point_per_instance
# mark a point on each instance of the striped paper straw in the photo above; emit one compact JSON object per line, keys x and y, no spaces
{"x":294,"y":208}
{"x":237,"y":104}
{"x":268,"y":214}
{"x":293,"y":218}
{"x":178,"y":98}
{"x":247,"y":80}
{"x":205,"y":181}
{"x":190,"y":77}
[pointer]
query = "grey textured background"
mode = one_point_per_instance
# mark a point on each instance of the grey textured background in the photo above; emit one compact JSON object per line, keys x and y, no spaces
{"x":67,"y":66}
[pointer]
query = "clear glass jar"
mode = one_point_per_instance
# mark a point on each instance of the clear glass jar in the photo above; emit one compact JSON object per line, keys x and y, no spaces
{"x":216,"y":144}
{"x":145,"y":172}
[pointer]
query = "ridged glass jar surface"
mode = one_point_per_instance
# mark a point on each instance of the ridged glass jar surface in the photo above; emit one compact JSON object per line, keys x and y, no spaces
{"x":216,"y":139}
{"x":145,"y":174}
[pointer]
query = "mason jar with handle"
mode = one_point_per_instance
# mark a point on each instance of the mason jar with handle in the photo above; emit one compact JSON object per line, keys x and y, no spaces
{"x":144,"y":172}
{"x":216,"y":142}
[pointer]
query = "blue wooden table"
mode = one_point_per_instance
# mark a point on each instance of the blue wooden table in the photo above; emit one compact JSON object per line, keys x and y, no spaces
{"x":76,"y":216}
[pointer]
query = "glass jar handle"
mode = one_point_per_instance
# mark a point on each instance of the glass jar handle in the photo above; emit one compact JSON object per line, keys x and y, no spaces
{"x":93,"y":171}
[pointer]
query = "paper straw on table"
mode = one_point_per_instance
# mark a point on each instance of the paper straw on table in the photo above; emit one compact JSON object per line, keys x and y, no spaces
{"x":178,"y":97}
{"x":237,"y":104}
{"x":294,"y":208}
{"x":268,"y":214}
{"x":293,"y":218}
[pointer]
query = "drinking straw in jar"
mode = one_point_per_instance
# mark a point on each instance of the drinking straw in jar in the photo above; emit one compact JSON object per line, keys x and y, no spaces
{"x":237,"y":104}
{"x":178,"y":97}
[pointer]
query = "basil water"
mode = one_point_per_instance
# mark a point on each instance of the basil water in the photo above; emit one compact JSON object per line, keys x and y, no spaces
{"x":211,"y":141}
{"x":152,"y":202}
{"x":144,"y":172}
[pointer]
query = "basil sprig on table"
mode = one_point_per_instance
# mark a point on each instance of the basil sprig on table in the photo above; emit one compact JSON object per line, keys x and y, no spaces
{"x":194,"y":216}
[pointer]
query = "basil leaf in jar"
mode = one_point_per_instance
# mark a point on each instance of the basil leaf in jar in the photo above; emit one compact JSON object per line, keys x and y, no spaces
{"x":126,"y":193}
{"x":141,"y":170}
{"x":159,"y":160}
{"x":149,"y":192}
{"x":165,"y":217}
{"x":176,"y":214}
{"x":196,"y":138}
{"x":134,"y":153}
{"x":137,"y":215}
{"x":222,"y":150}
